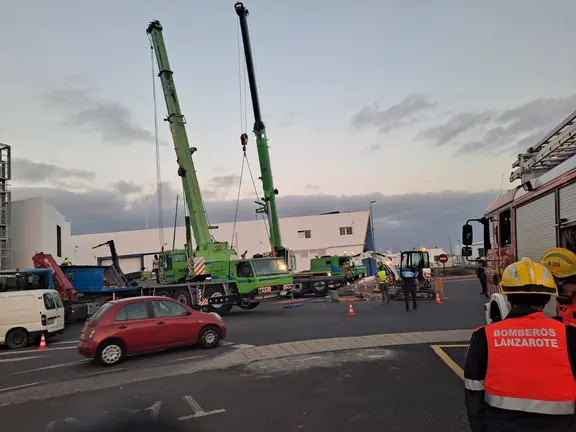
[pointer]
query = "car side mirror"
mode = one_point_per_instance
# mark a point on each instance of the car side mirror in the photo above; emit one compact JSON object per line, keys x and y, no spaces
{"x":467,"y":235}
{"x":466,"y":251}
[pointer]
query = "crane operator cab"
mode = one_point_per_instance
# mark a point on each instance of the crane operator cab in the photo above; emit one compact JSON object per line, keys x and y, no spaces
{"x":418,"y":262}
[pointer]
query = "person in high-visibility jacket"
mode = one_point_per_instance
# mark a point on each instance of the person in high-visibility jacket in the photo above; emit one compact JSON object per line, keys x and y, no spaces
{"x":66,"y":262}
{"x":382,"y":278}
{"x":562,"y":264}
{"x":520,"y":372}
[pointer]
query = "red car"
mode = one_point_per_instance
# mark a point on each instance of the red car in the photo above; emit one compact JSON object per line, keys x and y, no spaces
{"x":142,"y":324}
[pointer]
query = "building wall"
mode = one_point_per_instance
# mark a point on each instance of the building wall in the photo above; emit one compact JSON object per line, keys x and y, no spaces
{"x":34,"y":225}
{"x":307,"y":236}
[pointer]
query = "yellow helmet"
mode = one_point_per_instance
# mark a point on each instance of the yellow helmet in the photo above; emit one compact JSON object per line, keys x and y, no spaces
{"x":527,"y":277}
{"x":561,"y":262}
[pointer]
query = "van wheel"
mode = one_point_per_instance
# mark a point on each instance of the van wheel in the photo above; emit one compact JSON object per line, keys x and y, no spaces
{"x":110,"y":353}
{"x":17,"y":338}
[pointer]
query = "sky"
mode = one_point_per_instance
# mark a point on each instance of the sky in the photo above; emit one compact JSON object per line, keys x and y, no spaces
{"x":421,"y":106}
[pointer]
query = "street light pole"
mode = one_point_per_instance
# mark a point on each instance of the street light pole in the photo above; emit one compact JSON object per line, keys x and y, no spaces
{"x":372,"y":225}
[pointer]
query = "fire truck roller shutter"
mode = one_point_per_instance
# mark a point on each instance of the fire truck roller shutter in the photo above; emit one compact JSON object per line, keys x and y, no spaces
{"x":536,"y":233}
{"x":128,"y":265}
{"x":568,"y":203}
{"x":535,"y":227}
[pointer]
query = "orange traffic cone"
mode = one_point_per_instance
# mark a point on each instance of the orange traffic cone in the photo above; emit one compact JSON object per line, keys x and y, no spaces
{"x":43,"y":345}
{"x":351,"y":310}
{"x":438,"y":301}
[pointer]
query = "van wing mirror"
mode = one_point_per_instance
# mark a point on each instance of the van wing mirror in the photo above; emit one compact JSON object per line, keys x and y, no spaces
{"x":467,"y":235}
{"x":466,"y":251}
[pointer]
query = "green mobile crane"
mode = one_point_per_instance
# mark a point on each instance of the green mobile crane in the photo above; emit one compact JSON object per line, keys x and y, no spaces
{"x":219,"y":279}
{"x":315,"y":281}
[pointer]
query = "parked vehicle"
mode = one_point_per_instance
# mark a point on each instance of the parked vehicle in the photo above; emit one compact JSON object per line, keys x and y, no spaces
{"x":26,"y":315}
{"x":143,"y":324}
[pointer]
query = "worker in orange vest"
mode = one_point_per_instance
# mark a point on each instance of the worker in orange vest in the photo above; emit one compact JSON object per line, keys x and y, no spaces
{"x":562,"y":264}
{"x":520,"y":372}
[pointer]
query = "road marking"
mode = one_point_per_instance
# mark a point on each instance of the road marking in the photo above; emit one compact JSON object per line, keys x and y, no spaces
{"x":75,"y":341}
{"x":300,"y":299}
{"x":448,"y":360}
{"x":15,"y":359}
{"x":242,"y":346}
{"x":111,"y":370}
{"x":226,"y":343}
{"x":53,"y":366}
{"x":27,"y":350}
{"x":185,"y":358}
{"x":197,"y":410}
{"x":22,"y":386}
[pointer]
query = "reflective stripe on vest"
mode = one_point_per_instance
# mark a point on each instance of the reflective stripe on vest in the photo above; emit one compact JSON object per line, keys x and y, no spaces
{"x":528,"y":366}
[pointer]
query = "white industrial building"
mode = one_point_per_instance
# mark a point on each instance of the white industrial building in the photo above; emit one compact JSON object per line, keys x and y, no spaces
{"x":307,"y":236}
{"x":37,"y":226}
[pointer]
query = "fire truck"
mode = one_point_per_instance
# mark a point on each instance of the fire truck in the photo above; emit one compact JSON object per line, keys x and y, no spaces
{"x":536,"y":215}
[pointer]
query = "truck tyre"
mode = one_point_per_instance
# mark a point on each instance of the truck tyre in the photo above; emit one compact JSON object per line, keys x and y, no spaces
{"x":249,"y":306}
{"x":183,"y":297}
{"x":300,"y":289}
{"x":320,"y":288}
{"x":221,"y":309}
{"x":17,"y":338}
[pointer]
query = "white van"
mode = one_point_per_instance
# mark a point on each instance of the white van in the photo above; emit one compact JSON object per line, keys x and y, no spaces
{"x":26,"y":315}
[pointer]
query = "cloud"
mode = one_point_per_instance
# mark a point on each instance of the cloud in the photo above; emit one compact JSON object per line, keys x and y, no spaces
{"x":112,"y":120}
{"x":373,"y":147}
{"x":225,"y":181}
{"x":401,"y":221}
{"x":512,"y":130}
{"x":27,"y":171}
{"x":395,"y":116}
{"x":126,"y":188}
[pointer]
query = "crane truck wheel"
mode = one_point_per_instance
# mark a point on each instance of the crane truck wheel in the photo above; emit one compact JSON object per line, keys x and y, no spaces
{"x":183,"y":297}
{"x":300,"y":289}
{"x":249,"y":306}
{"x":320,"y":288}
{"x":220,"y":309}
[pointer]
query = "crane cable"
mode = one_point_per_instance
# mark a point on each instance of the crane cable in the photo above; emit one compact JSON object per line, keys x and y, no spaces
{"x":243,"y":95}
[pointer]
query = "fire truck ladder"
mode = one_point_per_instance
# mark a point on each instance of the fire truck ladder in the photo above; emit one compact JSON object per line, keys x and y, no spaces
{"x":556,"y":147}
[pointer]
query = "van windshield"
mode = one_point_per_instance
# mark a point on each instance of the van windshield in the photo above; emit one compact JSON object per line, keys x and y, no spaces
{"x":100,"y":312}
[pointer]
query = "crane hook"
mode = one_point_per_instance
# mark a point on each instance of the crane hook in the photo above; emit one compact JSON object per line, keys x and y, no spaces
{"x":244,"y":141}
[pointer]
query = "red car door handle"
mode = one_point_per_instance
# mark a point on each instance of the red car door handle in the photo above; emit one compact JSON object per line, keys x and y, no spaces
{"x":159,"y":323}
{"x":123,"y":327}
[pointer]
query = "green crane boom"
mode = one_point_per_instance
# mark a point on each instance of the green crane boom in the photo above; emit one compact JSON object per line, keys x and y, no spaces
{"x":269,"y":204}
{"x":186,"y":170}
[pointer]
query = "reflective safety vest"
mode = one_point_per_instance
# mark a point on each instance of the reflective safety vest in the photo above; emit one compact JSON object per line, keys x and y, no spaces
{"x":528,"y":366}
{"x":381,"y":276}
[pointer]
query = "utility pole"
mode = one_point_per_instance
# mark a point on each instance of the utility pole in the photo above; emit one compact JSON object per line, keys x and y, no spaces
{"x":146,"y":212}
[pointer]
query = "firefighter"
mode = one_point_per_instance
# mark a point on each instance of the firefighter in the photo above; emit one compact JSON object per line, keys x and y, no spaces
{"x":562,"y":264}
{"x":520,"y":373}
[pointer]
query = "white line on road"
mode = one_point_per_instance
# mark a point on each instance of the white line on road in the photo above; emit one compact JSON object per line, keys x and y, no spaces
{"x":66,"y":342}
{"x":15,"y":359}
{"x":197,"y":410}
{"x":185,"y":358}
{"x":22,"y":386}
{"x":241,"y":346}
{"x":35,"y":349}
{"x":53,"y":366}
{"x":103,"y":372}
{"x":226,"y":343}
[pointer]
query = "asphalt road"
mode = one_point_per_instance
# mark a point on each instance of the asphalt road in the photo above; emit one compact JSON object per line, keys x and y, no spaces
{"x":403,"y":388}
{"x":269,"y":324}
